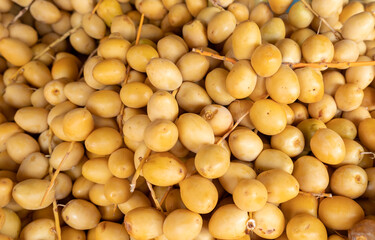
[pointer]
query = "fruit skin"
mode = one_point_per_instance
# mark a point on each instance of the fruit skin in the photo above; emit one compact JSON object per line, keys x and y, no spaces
{"x":228,"y":222}
{"x":366,"y":133}
{"x":364,"y":229}
{"x":279,"y":6}
{"x":328,"y":146}
{"x":340,"y":213}
{"x":305,"y":227}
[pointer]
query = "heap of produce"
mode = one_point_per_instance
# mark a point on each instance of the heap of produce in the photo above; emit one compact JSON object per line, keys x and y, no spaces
{"x":187,"y":119}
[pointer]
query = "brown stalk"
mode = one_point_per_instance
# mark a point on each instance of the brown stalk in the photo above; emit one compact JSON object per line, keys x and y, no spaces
{"x":56,"y":214}
{"x":53,"y":179}
{"x":337,"y":34}
{"x":121,"y":114}
{"x":294,"y":65}
{"x":96,"y":7}
{"x":331,"y":64}
{"x":54,"y":43}
{"x":57,"y":41}
{"x":54,"y":203}
{"x":165,"y":195}
{"x":20,"y":13}
{"x":213,"y":55}
{"x":317,"y":195}
{"x":153,"y":195}
{"x":83,"y":66}
{"x":232,"y":128}
{"x":133,"y":183}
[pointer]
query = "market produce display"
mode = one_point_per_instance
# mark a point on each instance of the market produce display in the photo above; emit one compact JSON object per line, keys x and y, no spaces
{"x":187,"y":119}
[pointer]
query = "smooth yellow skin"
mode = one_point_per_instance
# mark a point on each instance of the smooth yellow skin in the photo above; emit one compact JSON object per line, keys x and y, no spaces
{"x":305,"y":226}
{"x":291,"y":141}
{"x":10,"y":223}
{"x":241,"y":80}
{"x":365,"y":132}
{"x":104,"y":103}
{"x":110,"y":230}
{"x":219,"y":117}
{"x":194,"y":131}
{"x":228,"y":222}
{"x":212,"y":161}
{"x":340,"y":213}
{"x":281,"y":186}
{"x":6,"y":186}
{"x":283,"y":86}
{"x":221,"y":26}
{"x":98,"y":197}
{"x":164,"y":169}
{"x":250,"y":195}
{"x":349,"y":181}
{"x":216,"y":86}
{"x":273,"y":158}
{"x":317,"y":48}
{"x":202,"y":199}
{"x":136,"y":200}
{"x":270,"y":222}
{"x":20,"y":145}
{"x":195,"y":34}
{"x":121,"y":164}
{"x":311,"y":83}
{"x":37,"y":73}
{"x":80,"y":214}
{"x":29,"y":193}
{"x":135,"y":94}
{"x":299,"y":16}
{"x":266,"y":60}
{"x":109,"y":9}
{"x":245,"y":144}
{"x":139,"y":56}
{"x":268,"y":117}
{"x":358,"y":26}
{"x":109,"y":72}
{"x":15,"y":51}
{"x":273,"y":30}
{"x":32,"y":119}
{"x":235,"y":173}
{"x":279,"y":6}
{"x":243,"y":46}
{"x":96,"y":170}
{"x":60,"y":151}
{"x":302,"y":203}
{"x":311,"y":174}
{"x":144,"y":223}
{"x":182,"y":224}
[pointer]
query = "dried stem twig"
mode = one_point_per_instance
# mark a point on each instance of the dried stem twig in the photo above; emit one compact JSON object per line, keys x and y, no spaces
{"x":294,"y":65}
{"x":213,"y":55}
{"x":83,"y":66}
{"x":331,"y":64}
{"x":57,"y":41}
{"x":54,"y":43}
{"x":232,"y":128}
{"x":96,"y":7}
{"x":317,"y":195}
{"x":153,"y":195}
{"x":121,"y":114}
{"x":53,"y":179}
{"x":336,"y":33}
{"x":55,"y":211}
{"x":133,"y":184}
{"x":20,"y":14}
{"x":165,"y":195}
